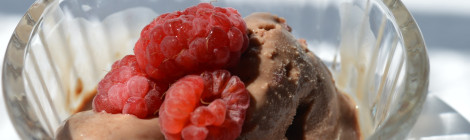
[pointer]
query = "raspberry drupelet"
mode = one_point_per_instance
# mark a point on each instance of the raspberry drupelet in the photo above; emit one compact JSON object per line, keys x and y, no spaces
{"x":126,"y":89}
{"x":199,"y":38}
{"x":208,"y":106}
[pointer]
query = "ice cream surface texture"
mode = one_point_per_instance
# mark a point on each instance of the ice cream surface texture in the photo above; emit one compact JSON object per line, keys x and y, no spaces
{"x":100,"y":126}
{"x":293,"y":95}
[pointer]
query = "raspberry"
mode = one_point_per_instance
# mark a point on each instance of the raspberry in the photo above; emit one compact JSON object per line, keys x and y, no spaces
{"x":126,"y":89}
{"x":199,"y":38}
{"x":209,"y":106}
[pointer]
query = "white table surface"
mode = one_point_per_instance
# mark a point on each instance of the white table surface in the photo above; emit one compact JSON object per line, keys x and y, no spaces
{"x":446,"y":29}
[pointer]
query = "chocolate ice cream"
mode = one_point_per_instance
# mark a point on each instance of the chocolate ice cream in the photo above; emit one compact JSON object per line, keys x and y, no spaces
{"x":293,"y":93}
{"x":100,"y":126}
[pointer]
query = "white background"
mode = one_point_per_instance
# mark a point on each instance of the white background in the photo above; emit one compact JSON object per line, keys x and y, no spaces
{"x":446,"y":28}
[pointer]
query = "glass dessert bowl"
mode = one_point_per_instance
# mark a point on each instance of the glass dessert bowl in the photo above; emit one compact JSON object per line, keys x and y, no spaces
{"x":61,"y":49}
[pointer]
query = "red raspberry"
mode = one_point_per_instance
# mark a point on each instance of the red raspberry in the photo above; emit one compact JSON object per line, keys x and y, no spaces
{"x":209,"y":106}
{"x":126,"y":89}
{"x":199,"y":38}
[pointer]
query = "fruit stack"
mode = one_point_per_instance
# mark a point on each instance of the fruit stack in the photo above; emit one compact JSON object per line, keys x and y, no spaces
{"x":178,"y":75}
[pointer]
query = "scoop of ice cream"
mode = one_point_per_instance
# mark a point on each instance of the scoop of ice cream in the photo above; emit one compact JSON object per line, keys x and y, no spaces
{"x":293,"y":93}
{"x":101,"y":126}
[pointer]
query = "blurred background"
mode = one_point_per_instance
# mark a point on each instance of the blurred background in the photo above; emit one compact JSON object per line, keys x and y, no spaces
{"x":446,"y":29}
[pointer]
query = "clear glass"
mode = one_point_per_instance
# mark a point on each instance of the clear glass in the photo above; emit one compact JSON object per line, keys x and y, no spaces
{"x":61,"y":49}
